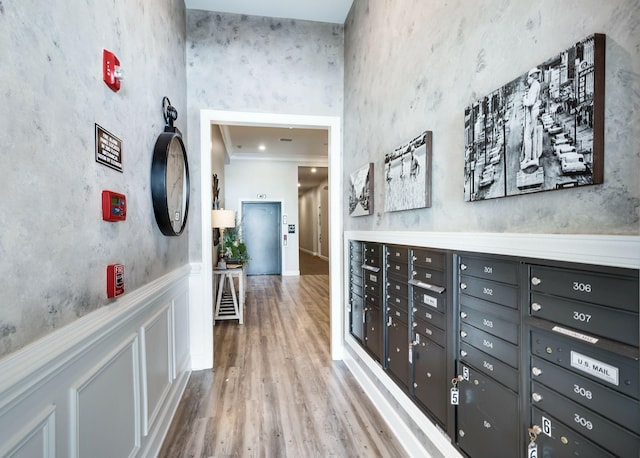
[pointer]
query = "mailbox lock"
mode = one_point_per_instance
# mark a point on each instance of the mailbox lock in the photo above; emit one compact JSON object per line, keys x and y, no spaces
{"x":414,"y":310}
{"x":535,"y":281}
{"x":463,"y":267}
{"x":564,"y":440}
{"x":463,"y":286}
{"x":428,"y":374}
{"x":536,"y":371}
{"x":461,"y":433}
{"x":476,"y":382}
{"x":463,"y":353}
{"x":415,"y":385}
{"x":463,"y":314}
{"x":536,"y":397}
{"x":463,"y":334}
{"x":549,"y":350}
{"x":536,"y":307}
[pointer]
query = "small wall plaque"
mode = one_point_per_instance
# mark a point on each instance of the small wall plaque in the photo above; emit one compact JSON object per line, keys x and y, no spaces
{"x":108,"y":149}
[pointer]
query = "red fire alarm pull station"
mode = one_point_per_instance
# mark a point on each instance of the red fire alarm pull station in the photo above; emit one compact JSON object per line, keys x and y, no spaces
{"x":114,"y":206}
{"x":115,"y":280}
{"x":111,"y":72}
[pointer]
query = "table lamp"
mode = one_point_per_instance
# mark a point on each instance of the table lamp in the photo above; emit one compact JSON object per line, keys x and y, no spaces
{"x":221,"y":219}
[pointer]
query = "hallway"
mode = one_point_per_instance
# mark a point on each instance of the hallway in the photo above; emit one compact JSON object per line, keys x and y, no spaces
{"x":275,"y":391}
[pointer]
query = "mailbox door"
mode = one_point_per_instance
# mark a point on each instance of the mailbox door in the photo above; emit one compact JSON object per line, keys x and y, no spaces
{"x":430,"y":384}
{"x":488,"y":424}
{"x":373,"y":332}
{"x":557,"y":441}
{"x":357,"y":318}
{"x":489,"y":268}
{"x":398,"y":350}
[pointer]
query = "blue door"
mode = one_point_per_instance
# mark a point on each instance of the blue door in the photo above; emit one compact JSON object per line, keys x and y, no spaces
{"x":261,"y":234}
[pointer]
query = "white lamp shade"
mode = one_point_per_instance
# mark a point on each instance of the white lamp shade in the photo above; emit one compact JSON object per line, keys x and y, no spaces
{"x":223,"y":218}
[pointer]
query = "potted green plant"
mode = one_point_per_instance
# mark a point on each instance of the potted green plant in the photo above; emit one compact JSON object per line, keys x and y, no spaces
{"x":232,"y":247}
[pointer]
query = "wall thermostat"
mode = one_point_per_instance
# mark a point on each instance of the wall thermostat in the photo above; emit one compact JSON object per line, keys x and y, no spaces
{"x":115,"y":280}
{"x":114,"y":206}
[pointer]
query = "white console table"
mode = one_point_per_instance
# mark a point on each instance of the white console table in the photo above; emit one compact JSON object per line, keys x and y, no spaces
{"x":229,"y":303}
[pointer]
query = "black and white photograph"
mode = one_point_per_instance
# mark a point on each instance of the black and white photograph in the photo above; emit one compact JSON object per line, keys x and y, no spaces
{"x":361,"y":191}
{"x":407,"y":174}
{"x":542,"y":131}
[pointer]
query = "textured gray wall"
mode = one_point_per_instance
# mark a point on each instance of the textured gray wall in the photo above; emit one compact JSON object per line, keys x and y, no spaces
{"x":416,"y":64}
{"x":257,"y":64}
{"x":54,"y":246}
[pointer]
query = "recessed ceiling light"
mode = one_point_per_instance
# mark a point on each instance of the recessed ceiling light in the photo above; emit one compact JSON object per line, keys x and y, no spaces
{"x":313,"y":170}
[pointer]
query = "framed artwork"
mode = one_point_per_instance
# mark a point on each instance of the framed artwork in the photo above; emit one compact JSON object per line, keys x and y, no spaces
{"x":407,"y":173}
{"x":543,"y":131}
{"x":361,"y":191}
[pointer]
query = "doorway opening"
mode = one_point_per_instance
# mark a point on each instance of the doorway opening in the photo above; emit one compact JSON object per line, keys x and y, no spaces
{"x":202,"y":316}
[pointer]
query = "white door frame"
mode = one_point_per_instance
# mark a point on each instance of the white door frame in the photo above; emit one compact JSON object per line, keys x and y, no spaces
{"x":202,"y":311}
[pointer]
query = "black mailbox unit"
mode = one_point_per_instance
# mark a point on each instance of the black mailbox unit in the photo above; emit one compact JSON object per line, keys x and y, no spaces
{"x":488,"y":308}
{"x":356,"y":294}
{"x":397,"y":308}
{"x":373,"y":300}
{"x":432,"y":337}
{"x":584,"y":391}
{"x":546,"y":349}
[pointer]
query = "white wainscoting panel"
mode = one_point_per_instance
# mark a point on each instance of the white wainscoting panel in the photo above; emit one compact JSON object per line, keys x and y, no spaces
{"x":105,"y":408}
{"x":181,"y":333}
{"x":156,"y":364}
{"x":78,"y":392}
{"x":36,"y":439}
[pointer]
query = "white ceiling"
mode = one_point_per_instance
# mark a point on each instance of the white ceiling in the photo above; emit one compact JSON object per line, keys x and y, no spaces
{"x":307,"y":147}
{"x":276,"y":143}
{"x":334,"y":11}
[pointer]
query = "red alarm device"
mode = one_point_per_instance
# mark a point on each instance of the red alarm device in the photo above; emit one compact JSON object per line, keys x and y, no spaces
{"x":115,"y":280}
{"x":114,"y":206}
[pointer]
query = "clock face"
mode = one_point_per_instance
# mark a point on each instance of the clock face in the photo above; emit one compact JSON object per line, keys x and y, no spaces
{"x":170,"y":183}
{"x":176,"y":184}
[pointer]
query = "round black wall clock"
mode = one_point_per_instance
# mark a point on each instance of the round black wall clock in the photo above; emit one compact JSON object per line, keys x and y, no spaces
{"x":170,"y":176}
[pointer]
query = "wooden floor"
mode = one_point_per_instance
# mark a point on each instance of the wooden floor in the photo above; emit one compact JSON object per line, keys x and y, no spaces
{"x":312,"y":265}
{"x":274,"y":391}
